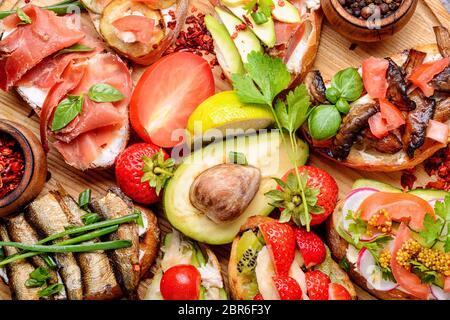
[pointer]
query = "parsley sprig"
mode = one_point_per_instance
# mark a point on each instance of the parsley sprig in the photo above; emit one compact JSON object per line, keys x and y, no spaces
{"x":265,"y":79}
{"x":434,"y":229}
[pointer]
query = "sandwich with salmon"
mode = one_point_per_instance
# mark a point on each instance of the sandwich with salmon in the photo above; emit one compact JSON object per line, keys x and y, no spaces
{"x":394,"y":244}
{"x":270,"y":260}
{"x":391,"y":114}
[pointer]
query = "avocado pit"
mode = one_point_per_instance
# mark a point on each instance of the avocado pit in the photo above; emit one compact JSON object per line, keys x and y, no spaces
{"x":223,"y":192}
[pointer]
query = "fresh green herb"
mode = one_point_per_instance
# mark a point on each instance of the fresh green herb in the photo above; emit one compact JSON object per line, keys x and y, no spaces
{"x":266,"y":77}
{"x":61,"y":8}
{"x":77,"y":47}
{"x":290,"y":198}
{"x":139,"y":220}
{"x":259,"y":17}
{"x":24,"y":18}
{"x":66,"y":111}
{"x":237,"y":158}
{"x":324,"y":122}
{"x":332,"y":94}
{"x":90,"y":218}
{"x":265,"y":6}
{"x":49,"y":261}
{"x":348,"y":83}
{"x":37,"y":278}
{"x":431,"y":230}
{"x":345,"y":264}
{"x":107,"y":245}
{"x":50,"y":290}
{"x":103,"y":92}
{"x":434,"y":228}
{"x":84,"y":199}
{"x":250,"y":6}
{"x":425,"y":274}
{"x":157,"y":171}
{"x":342,"y":106}
{"x":447,"y":240}
{"x":377,"y":244}
{"x":358,"y":227}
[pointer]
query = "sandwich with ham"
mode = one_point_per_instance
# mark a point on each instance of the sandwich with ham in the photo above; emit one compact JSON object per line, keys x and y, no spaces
{"x":391,"y":114}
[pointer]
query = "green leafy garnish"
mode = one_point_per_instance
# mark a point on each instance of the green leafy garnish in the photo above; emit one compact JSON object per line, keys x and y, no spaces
{"x":262,"y":7}
{"x":345,"y":264}
{"x":433,"y":228}
{"x":24,"y":18}
{"x":84,"y":198}
{"x":237,"y":158}
{"x":378,"y":243}
{"x":90,"y":218}
{"x":66,"y":111}
{"x":50,"y":290}
{"x":347,"y":84}
{"x":75,"y":48}
{"x":259,"y":17}
{"x":103,"y":92}
{"x":425,"y":274}
{"x":157,"y":171}
{"x":37,"y":278}
{"x":324,"y":122}
{"x":297,"y":110}
{"x":358,"y":227}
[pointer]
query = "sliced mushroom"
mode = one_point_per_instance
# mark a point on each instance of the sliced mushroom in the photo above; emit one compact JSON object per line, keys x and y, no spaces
{"x":443,"y":40}
{"x":316,"y":87}
{"x":223,"y":192}
{"x":442,"y":113}
{"x":415,"y":59}
{"x":397,"y":89}
{"x":390,"y":144}
{"x":442,"y":81}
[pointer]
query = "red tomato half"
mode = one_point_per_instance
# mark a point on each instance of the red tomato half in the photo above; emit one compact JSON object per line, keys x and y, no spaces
{"x":402,"y":207}
{"x":374,"y":77}
{"x":141,"y":26}
{"x":167,"y":94}
{"x":378,"y":125}
{"x":394,"y":118}
{"x":405,"y":278}
{"x":181,"y":282}
{"x":423,"y":74}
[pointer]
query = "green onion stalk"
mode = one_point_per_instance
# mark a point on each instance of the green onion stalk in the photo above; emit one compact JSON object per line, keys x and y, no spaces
{"x":59,"y":8}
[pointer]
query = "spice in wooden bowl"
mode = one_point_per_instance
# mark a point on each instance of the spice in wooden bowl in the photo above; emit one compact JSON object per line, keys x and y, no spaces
{"x":364,"y":9}
{"x":12,"y":164}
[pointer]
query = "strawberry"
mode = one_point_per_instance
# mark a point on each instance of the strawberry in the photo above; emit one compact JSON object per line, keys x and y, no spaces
{"x":288,"y":288}
{"x":280,"y":241}
{"x":313,"y":188}
{"x":258,"y":297}
{"x":317,"y":284}
{"x":142,"y":170}
{"x":338,"y":292}
{"x":311,"y":247}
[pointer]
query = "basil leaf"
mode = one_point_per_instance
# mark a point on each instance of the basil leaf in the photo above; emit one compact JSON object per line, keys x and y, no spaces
{"x":84,"y":198}
{"x":349,"y":83}
{"x":103,"y":92}
{"x":66,"y":111}
{"x":324,"y":122}
{"x":24,"y":18}
{"x":50,"y":290}
{"x":75,"y":48}
{"x":90,"y":218}
{"x":237,"y":158}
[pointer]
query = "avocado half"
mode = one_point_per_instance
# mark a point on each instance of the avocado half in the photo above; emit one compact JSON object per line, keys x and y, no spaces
{"x":265,"y":151}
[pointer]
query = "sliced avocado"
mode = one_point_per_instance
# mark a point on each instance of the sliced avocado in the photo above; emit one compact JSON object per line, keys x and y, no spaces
{"x":265,"y":32}
{"x":245,"y":40}
{"x":226,"y":51}
{"x":285,"y":11}
{"x":429,"y":194}
{"x":367,"y":183}
{"x":265,"y":151}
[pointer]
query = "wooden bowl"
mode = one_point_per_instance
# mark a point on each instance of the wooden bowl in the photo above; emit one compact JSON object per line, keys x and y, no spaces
{"x":35,"y":172}
{"x":362,"y":30}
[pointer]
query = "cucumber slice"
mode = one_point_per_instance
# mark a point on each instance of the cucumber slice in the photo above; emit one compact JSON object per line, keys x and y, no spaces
{"x":429,"y":194}
{"x":367,"y":183}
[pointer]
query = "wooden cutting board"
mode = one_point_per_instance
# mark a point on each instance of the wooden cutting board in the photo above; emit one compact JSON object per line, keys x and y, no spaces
{"x":334,"y":54}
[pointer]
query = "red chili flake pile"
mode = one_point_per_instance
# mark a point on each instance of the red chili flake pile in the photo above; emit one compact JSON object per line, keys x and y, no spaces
{"x":407,"y":179}
{"x":439,"y":166}
{"x":12,"y":164}
{"x":195,"y":39}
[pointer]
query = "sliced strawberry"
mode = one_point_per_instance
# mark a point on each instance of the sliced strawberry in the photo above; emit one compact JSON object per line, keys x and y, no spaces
{"x":338,"y":292}
{"x":317,"y":284}
{"x":287,"y":288}
{"x":280,"y":240}
{"x":258,"y":297}
{"x":311,"y":247}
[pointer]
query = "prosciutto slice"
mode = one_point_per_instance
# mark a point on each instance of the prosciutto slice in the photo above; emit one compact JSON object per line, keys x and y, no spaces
{"x":29,"y":44}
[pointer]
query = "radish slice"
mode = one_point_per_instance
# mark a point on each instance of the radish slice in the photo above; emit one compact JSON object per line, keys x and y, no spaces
{"x":353,"y":202}
{"x":368,"y":268}
{"x":365,"y":238}
{"x":438,"y":293}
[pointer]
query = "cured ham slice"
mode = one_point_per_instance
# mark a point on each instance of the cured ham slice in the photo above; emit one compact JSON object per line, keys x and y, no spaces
{"x":29,"y":44}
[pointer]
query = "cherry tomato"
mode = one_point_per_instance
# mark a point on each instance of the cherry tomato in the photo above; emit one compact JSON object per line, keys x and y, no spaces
{"x":402,"y":207}
{"x":374,"y":77}
{"x":167,"y":94}
{"x":181,"y":282}
{"x":423,"y":74}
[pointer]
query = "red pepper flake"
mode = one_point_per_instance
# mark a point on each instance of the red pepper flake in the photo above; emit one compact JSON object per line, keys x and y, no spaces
{"x":172,"y":14}
{"x":171,"y":25}
{"x":234,"y":35}
{"x":241,"y":27}
{"x":281,"y":3}
{"x":247,"y":21}
{"x":12,"y":164}
{"x":438,"y":166}
{"x":407,"y":179}
{"x":194,"y":9}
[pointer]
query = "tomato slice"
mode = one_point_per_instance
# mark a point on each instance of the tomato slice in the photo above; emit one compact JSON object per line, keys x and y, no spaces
{"x":378,"y":125}
{"x":181,"y":282}
{"x":447,"y":284}
{"x":374,"y":77}
{"x":394,"y":118}
{"x":437,"y":131}
{"x":142,"y":27}
{"x":167,"y":94}
{"x":405,"y":278}
{"x":402,"y":207}
{"x":423,"y":74}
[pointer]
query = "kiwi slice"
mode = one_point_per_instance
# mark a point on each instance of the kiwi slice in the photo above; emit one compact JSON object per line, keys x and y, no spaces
{"x":247,"y":251}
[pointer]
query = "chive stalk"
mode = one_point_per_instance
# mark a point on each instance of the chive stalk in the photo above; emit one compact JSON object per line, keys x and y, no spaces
{"x":107,"y":245}
{"x":58,"y":8}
